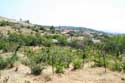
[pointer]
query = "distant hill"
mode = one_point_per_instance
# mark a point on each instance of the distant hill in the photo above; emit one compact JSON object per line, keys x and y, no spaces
{"x":81,"y":29}
{"x":7,"y":19}
{"x":61,"y":28}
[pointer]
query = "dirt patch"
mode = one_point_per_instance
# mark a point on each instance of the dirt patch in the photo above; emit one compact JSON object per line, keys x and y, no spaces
{"x":85,"y":75}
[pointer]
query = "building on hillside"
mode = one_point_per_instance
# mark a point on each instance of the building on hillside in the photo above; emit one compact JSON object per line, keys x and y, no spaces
{"x":55,"y":41}
{"x":66,"y":31}
{"x":87,"y":34}
{"x":96,"y":41}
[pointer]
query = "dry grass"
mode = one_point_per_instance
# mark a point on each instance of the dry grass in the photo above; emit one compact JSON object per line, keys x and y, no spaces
{"x":85,"y":75}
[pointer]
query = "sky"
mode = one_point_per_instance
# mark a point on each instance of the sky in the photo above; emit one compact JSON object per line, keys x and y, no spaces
{"x":105,"y":15}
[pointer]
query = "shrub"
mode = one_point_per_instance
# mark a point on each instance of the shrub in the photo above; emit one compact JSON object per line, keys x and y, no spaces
{"x":32,"y":40}
{"x":2,"y":44}
{"x":9,"y":46}
{"x":99,"y":63}
{"x":42,"y":28}
{"x":17,"y":38}
{"x":27,"y":40}
{"x":62,"y":40}
{"x":5,"y":23}
{"x":59,"y":68}
{"x":46,"y":42}
{"x":25,"y":61}
{"x":67,"y":61}
{"x":7,"y":62}
{"x":123,"y":67}
{"x":77,"y":64}
{"x":33,"y":61}
{"x":117,"y":67}
{"x":3,"y":63}
{"x":36,"y":69}
{"x":11,"y":60}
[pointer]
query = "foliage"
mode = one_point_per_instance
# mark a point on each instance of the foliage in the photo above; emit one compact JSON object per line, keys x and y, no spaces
{"x":33,"y":62}
{"x":11,"y":60}
{"x":36,"y":69}
{"x":7,"y":62}
{"x":62,"y":40}
{"x":9,"y":46}
{"x":123,"y":67}
{"x":77,"y":64}
{"x":5,"y":23}
{"x":76,"y":44}
{"x":106,"y":54}
{"x":28,"y":40}
{"x":59,"y":68}
{"x":52,"y":29}
{"x":2,"y":44}
{"x":59,"y":58}
{"x":3,"y":63}
{"x":46,"y":42}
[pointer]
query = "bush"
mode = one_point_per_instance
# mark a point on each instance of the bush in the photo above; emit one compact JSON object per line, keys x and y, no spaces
{"x":9,"y":46}
{"x":99,"y":63}
{"x":7,"y":62}
{"x":5,"y":23}
{"x":36,"y":69}
{"x":2,"y":44}
{"x":25,"y":61}
{"x":46,"y":42}
{"x":3,"y":63}
{"x":27,"y":40}
{"x":117,"y":67}
{"x":123,"y":67}
{"x":62,"y":40}
{"x":59,"y":68}
{"x":11,"y":60}
{"x":17,"y":38}
{"x":33,"y":61}
{"x":77,"y":64}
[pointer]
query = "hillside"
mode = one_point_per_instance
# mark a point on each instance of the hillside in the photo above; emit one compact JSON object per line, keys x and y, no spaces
{"x":79,"y":29}
{"x":32,"y":53}
{"x":82,"y":29}
{"x":7,"y":19}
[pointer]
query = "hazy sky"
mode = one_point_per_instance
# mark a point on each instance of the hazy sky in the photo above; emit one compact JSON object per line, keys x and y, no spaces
{"x":108,"y":15}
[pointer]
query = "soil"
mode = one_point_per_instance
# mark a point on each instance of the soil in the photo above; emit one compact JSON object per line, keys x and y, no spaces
{"x":84,"y":75}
